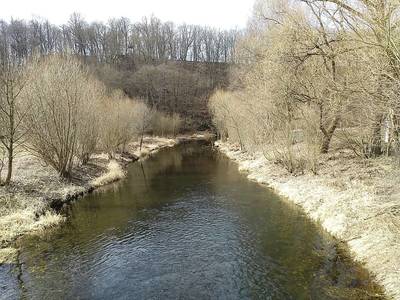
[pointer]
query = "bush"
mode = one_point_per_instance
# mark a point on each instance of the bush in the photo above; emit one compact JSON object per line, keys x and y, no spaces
{"x":70,"y":115}
{"x":62,"y":98}
{"x":118,"y":126}
{"x":165,"y":125}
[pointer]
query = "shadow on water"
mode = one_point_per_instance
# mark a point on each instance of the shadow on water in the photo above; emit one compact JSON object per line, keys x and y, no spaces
{"x":185,"y":224}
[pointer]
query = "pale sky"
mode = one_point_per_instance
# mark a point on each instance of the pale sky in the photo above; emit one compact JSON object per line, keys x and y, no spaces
{"x":217,"y":13}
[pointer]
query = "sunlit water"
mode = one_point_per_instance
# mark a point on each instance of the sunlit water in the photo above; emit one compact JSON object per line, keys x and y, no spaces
{"x":184,"y":225}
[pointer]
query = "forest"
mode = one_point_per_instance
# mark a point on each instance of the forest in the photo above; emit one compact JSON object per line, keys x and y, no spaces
{"x":169,"y":66}
{"x":137,"y":78}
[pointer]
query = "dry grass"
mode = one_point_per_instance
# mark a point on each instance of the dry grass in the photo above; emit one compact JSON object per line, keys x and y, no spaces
{"x":25,"y":205}
{"x":114,"y":172}
{"x":356,"y":200}
{"x":151,"y":145}
{"x":8,"y":255}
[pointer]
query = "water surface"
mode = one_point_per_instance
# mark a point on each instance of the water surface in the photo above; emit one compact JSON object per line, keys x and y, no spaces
{"x":184,"y":225}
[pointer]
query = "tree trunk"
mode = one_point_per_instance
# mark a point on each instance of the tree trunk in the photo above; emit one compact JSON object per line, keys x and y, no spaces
{"x":141,"y":142}
{"x":326,"y":141}
{"x":328,"y":134}
{"x":376,"y":144}
{"x":65,"y":174}
{"x":10,"y":164}
{"x":396,"y":135}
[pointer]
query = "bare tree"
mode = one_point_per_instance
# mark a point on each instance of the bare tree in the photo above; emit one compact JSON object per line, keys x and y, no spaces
{"x":55,"y":95}
{"x":143,"y":119}
{"x":12,"y":82}
{"x":88,"y":137}
{"x":118,"y":123}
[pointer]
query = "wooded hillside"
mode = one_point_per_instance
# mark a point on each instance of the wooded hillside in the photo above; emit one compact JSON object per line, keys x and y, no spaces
{"x":173,"y":68}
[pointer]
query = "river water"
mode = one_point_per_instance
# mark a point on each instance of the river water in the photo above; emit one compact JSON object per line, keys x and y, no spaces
{"x":184,"y":224}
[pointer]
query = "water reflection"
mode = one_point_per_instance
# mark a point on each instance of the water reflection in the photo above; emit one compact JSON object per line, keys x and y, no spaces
{"x":186,"y":225}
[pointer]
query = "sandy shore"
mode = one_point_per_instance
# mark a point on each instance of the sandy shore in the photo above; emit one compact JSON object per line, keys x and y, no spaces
{"x":356,"y":200}
{"x":31,"y":203}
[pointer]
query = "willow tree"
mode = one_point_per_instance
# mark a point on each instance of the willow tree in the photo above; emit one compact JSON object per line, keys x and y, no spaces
{"x":374,"y":27}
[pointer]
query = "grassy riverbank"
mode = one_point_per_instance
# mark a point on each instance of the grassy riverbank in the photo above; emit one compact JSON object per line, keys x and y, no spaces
{"x":30,"y":203}
{"x":356,"y":200}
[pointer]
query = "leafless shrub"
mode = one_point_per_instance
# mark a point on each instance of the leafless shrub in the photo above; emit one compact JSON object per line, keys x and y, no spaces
{"x":53,"y":95}
{"x":165,"y":125}
{"x":89,"y":129}
{"x":143,"y":120}
{"x":61,"y":100}
{"x":307,"y":76}
{"x":117,"y":123}
{"x":70,"y":115}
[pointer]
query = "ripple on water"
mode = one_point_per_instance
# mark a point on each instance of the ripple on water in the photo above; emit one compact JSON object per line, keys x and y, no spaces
{"x":185,"y":226}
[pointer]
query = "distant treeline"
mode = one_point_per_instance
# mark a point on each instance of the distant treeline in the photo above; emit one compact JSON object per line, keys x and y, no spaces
{"x":148,"y":41}
{"x":173,"y":68}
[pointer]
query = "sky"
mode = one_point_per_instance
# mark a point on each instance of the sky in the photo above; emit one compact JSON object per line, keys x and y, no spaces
{"x":224,"y":14}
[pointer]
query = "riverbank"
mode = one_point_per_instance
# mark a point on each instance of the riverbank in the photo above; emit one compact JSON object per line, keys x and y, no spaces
{"x":31,"y":203}
{"x":356,"y":200}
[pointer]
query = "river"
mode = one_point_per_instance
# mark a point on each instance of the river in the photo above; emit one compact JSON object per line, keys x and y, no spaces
{"x":184,"y":224}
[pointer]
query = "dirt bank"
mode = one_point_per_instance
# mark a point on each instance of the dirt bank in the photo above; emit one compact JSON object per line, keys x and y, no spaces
{"x":356,"y":200}
{"x":30,"y":204}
